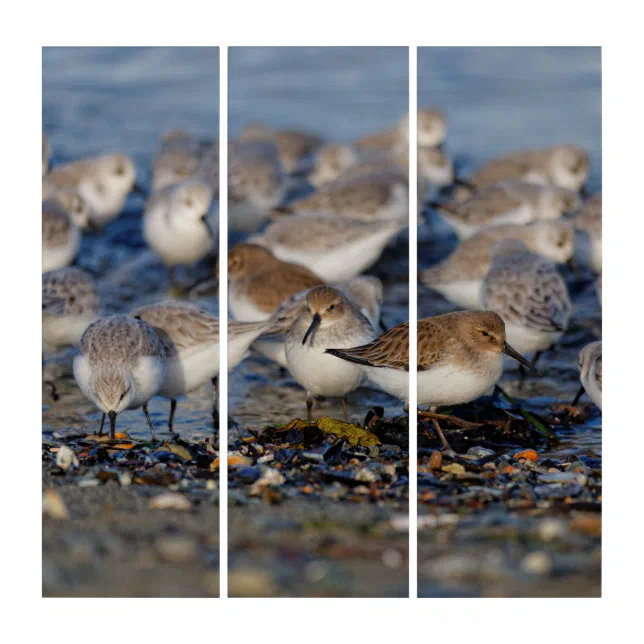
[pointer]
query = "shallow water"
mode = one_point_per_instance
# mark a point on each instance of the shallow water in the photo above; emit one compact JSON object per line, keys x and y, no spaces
{"x":122,"y":99}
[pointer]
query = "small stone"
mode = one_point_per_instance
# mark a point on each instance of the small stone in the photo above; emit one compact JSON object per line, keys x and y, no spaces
{"x":125,"y":479}
{"x":392,"y":558}
{"x":176,"y":549}
{"x":537,"y":563}
{"x":65,"y":458}
{"x":267,"y":458}
{"x":563,"y":477}
{"x":435,"y":461}
{"x":527,"y":454}
{"x":211,"y":484}
{"x":367,"y":476}
{"x":480,"y":452}
{"x":53,"y":506}
{"x":454,"y":468}
{"x":249,"y":582}
{"x":551,"y":529}
{"x":270,"y":476}
{"x":170,"y":501}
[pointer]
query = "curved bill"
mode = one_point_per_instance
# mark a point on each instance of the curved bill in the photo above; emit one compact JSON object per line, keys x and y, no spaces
{"x":206,"y":223}
{"x":509,"y":351}
{"x":138,"y":189}
{"x":315,"y":323}
{"x":112,"y":415}
{"x":580,"y":393}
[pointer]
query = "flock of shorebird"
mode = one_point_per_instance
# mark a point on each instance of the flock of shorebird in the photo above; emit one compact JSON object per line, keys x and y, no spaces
{"x":297,"y":289}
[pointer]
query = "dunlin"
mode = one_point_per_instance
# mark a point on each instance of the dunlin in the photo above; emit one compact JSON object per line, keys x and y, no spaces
{"x":590,"y":366}
{"x":365,"y":292}
{"x":460,"y":358}
{"x":104,"y":182}
{"x":176,"y":223}
{"x":120,"y":365}
{"x":190,"y":338}
{"x":336,"y":249}
{"x":330,"y":320}
{"x":566,"y":166}
{"x":459,"y":277}
{"x":259,"y":282}
{"x":70,"y":303}
{"x":528,"y":292}
{"x":508,"y":202}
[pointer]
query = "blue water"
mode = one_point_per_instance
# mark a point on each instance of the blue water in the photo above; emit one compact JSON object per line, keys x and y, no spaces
{"x":340,"y":93}
{"x":500,"y":99}
{"x":98,"y":99}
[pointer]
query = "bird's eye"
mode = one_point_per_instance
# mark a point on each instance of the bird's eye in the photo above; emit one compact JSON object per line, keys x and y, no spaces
{"x":188,"y":203}
{"x":331,"y":307}
{"x":485,"y":333}
{"x":120,"y":170}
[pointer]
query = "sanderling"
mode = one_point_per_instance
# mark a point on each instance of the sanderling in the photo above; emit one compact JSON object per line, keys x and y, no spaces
{"x":459,"y":359}
{"x":508,"y":202}
{"x":334,"y":248}
{"x":294,"y":147}
{"x":590,"y":366}
{"x":369,"y":196}
{"x":256,"y":184}
{"x":190,"y":338}
{"x":176,"y":226}
{"x":589,"y":221}
{"x":331,"y":161}
{"x":103,"y":181}
{"x":61,"y":234}
{"x":435,"y":166}
{"x":528,"y":292}
{"x":70,"y":303}
{"x":120,"y":365}
{"x":566,"y":166}
{"x":259,"y":282}
{"x":329,"y":320}
{"x":459,"y":277}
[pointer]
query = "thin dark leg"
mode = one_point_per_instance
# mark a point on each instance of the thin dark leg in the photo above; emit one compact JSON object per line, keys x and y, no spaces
{"x":100,"y":431}
{"x":173,"y":408}
{"x":309,"y":407}
{"x":112,"y":416}
{"x":580,"y":393}
{"x":172,"y":276}
{"x":215,"y":411}
{"x":432,"y":415}
{"x":537,"y":355}
{"x":147,"y":415}
{"x":345,"y":408}
{"x":53,"y":393}
{"x":446,"y":445}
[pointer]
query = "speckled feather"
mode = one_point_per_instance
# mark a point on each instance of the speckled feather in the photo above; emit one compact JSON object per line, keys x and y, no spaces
{"x":69,"y":291}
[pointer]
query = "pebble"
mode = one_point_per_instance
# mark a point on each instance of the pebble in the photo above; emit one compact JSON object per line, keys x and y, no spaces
{"x":537,"y":563}
{"x":551,"y":529}
{"x":65,"y":458}
{"x":249,"y":582}
{"x":480,"y":452}
{"x":392,"y":558}
{"x":176,"y":549}
{"x":170,"y":501}
{"x":563,"y":477}
{"x":53,"y":506}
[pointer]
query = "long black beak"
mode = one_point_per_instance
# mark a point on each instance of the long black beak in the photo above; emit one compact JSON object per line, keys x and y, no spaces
{"x":315,"y":323}
{"x":138,"y":189}
{"x":204,"y":218}
{"x":584,"y":192}
{"x":383,"y":327}
{"x":580,"y":393}
{"x":112,"y":416}
{"x":509,"y":351}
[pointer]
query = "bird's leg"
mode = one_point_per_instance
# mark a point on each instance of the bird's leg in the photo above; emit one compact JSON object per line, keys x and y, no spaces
{"x":215,"y":411}
{"x":537,"y":355}
{"x":112,"y":416}
{"x":580,"y":393}
{"x":100,"y":431}
{"x":309,"y":406}
{"x":173,"y":408}
{"x":345,"y":409}
{"x":53,"y":393}
{"x":147,"y":415}
{"x":432,"y":415}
